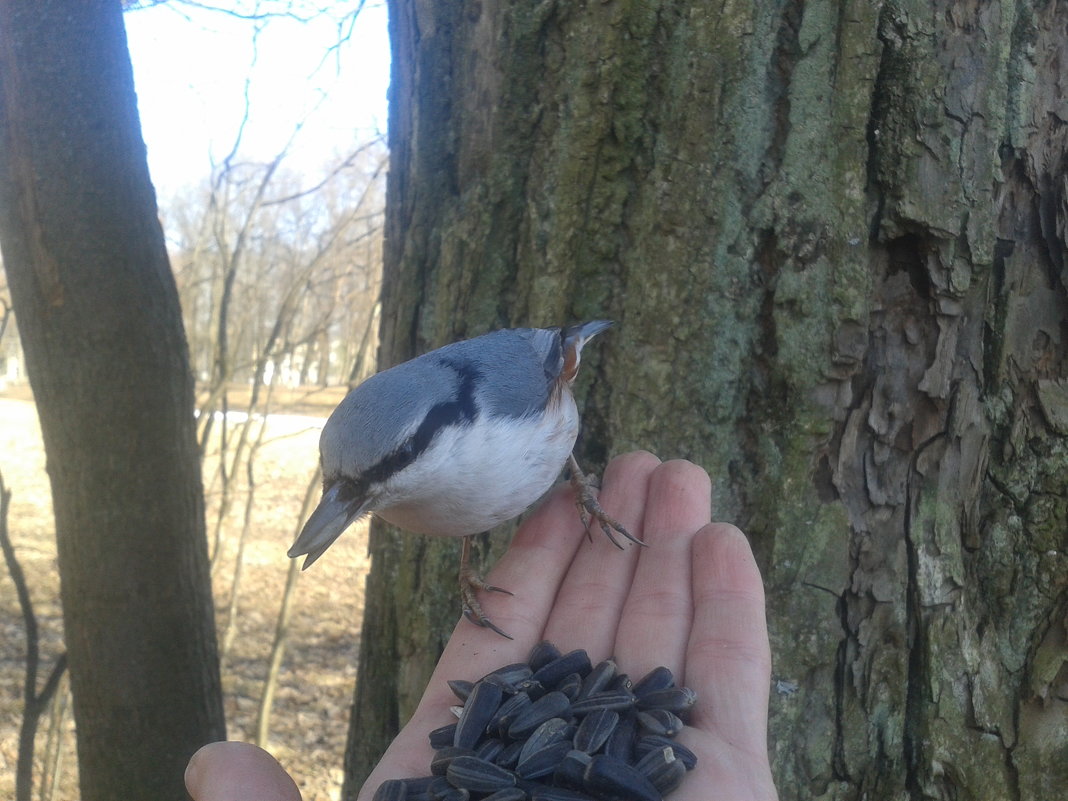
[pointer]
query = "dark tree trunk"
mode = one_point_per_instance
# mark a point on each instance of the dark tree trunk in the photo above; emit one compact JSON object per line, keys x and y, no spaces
{"x":106,"y":356}
{"x":834,"y":237}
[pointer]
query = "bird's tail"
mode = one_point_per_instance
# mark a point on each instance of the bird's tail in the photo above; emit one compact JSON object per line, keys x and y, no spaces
{"x":331,"y":517}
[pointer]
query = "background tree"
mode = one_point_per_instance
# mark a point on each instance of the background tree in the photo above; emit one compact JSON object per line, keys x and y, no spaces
{"x":106,"y":355}
{"x":833,"y":235}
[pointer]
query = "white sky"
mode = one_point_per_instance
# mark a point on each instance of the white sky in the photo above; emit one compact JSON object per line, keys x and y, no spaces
{"x":190,"y":67}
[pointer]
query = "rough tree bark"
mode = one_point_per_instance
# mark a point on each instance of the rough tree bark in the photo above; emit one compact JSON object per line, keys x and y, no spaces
{"x":106,"y":356}
{"x":834,"y":237}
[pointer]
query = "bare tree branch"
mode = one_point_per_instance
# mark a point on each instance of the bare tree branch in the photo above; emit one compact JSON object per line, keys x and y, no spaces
{"x":347,"y":162}
{"x":33,"y":703}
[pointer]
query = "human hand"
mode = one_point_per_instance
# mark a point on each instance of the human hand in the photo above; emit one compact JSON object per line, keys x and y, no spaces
{"x":693,"y":601}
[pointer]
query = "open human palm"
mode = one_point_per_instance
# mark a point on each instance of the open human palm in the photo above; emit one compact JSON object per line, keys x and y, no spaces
{"x":692,"y":600}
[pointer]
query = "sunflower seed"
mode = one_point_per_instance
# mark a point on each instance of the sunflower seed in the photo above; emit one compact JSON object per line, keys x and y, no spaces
{"x":550,"y":705}
{"x":609,"y":699}
{"x":443,"y":757}
{"x":557,"y":728}
{"x":662,"y":769}
{"x":508,"y":712}
{"x":542,"y":654}
{"x":595,"y":729}
{"x":543,"y":762}
{"x":558,"y":794}
{"x":659,"y":678}
{"x":460,"y":688}
{"x":441,"y":737}
{"x":531,"y":688}
{"x":507,"y":794}
{"x":489,"y":749}
{"x":478,"y":776}
{"x":437,"y":788}
{"x":660,"y":721}
{"x":651,"y":742}
{"x":598,"y":678}
{"x":479,"y":710}
{"x":614,"y":780}
{"x":509,"y":755}
{"x":571,"y":769}
{"x":391,"y":790}
{"x":510,"y":675}
{"x":620,"y":743}
{"x":549,"y":732}
{"x":673,"y":699}
{"x":577,"y":661}
{"x":570,"y":685}
{"x":419,"y":788}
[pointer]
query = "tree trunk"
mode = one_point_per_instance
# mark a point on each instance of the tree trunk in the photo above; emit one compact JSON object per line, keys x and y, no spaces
{"x":834,"y":238}
{"x":107,"y":359}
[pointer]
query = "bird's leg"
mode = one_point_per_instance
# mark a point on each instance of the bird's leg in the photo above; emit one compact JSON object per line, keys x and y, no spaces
{"x":470,"y":584}
{"x":590,"y":508}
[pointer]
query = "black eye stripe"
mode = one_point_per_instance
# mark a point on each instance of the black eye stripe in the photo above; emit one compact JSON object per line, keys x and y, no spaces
{"x":460,"y":411}
{"x":555,"y":357}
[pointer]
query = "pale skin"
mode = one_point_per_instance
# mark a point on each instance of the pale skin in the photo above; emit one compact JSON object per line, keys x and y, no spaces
{"x":693,"y":600}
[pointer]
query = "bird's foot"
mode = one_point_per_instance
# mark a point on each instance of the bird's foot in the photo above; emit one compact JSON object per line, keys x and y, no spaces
{"x":590,"y":508}
{"x":470,"y":584}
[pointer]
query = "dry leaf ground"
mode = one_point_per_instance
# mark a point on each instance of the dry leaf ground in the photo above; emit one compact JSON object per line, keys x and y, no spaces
{"x":311,"y":709}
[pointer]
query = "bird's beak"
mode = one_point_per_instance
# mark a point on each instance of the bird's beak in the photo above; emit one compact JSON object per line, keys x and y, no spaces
{"x":574,"y":337}
{"x":583,"y":333}
{"x":330,"y":518}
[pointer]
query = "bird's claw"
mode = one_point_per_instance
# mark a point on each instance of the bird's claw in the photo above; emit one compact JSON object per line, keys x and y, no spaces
{"x":590,"y":508}
{"x":475,"y":615}
{"x":470,"y":584}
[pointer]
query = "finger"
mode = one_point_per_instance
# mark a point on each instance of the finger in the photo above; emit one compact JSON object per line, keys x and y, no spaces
{"x":532,"y":568}
{"x":655,"y":625}
{"x":588,"y":606}
{"x":234,"y":771}
{"x":728,"y":661}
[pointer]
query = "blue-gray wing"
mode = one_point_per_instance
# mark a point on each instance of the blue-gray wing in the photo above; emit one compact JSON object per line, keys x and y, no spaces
{"x":394,"y":415}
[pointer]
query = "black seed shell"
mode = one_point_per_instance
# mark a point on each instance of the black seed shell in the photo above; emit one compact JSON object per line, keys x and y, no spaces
{"x":595,"y":729}
{"x":609,"y":699}
{"x":443,"y":736}
{"x":577,"y":661}
{"x":550,"y":705}
{"x":478,"y":776}
{"x":598,"y":678}
{"x":542,"y":654}
{"x":614,"y":780}
{"x":391,"y":790}
{"x":543,"y":762}
{"x":659,"y":678}
{"x":479,"y":710}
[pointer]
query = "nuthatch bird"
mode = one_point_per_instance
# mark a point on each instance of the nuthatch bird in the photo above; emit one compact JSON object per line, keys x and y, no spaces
{"x":455,"y":442}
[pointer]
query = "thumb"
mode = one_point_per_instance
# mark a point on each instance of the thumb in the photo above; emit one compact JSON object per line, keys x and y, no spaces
{"x":232,"y":771}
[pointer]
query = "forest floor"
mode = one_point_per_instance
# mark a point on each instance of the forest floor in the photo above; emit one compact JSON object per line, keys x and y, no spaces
{"x":310,"y":716}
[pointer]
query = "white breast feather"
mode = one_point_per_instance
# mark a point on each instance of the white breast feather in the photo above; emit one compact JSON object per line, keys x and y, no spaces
{"x":471,"y":479}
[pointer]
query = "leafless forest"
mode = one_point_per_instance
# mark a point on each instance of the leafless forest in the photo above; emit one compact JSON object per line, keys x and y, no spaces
{"x":278,"y":274}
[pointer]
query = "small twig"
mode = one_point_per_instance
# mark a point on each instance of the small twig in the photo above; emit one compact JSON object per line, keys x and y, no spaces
{"x":33,"y":703}
{"x":6,"y":316}
{"x":281,"y":626}
{"x":345,"y":163}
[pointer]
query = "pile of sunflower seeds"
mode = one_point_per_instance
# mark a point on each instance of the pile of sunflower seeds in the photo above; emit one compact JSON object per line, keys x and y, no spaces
{"x":557,"y":728}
